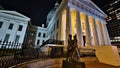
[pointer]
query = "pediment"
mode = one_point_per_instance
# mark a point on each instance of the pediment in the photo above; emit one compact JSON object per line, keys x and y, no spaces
{"x":92,"y":5}
{"x":13,"y":13}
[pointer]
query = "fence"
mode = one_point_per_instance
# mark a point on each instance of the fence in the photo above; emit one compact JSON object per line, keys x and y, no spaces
{"x":12,"y":53}
{"x":9,"y":48}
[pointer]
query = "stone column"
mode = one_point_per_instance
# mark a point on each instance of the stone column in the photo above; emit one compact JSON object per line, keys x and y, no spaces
{"x":68,"y":25}
{"x":95,"y":34}
{"x":88,"y":31}
{"x":106,"y":36}
{"x":79,"y":29}
{"x":100,"y":33}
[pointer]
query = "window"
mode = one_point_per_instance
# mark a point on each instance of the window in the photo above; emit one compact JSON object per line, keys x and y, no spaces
{"x":31,"y":34}
{"x":7,"y":37}
{"x":10,"y":26}
{"x":38,"y":41}
{"x":17,"y":38}
{"x":42,"y":41}
{"x":39,"y":34}
{"x":1,"y":24}
{"x":44,"y":35}
{"x":20,"y":28}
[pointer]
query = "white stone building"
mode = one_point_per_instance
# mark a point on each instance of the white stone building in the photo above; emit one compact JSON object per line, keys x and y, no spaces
{"x":41,"y":35}
{"x":50,"y":32}
{"x":80,"y":17}
{"x":13,"y":26}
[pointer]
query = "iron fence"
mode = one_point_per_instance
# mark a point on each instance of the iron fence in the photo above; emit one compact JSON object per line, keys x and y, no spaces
{"x":9,"y":48}
{"x":12,"y":54}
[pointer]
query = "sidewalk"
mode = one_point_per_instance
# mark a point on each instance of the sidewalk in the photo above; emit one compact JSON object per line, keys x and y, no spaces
{"x":57,"y":63}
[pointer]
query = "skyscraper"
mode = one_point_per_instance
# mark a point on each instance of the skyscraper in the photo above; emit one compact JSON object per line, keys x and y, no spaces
{"x":113,"y":21}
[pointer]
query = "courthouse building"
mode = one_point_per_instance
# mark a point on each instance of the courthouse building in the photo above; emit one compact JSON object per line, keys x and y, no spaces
{"x":78,"y":17}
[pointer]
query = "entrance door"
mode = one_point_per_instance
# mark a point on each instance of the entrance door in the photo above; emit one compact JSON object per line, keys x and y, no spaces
{"x":84,"y":40}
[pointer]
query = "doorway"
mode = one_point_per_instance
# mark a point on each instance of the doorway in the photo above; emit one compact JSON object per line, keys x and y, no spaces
{"x":84,"y":42}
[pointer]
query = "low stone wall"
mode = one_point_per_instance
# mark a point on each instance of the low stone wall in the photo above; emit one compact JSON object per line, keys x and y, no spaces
{"x":42,"y":63}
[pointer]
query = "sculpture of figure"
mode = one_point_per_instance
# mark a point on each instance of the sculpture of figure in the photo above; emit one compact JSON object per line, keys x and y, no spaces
{"x":75,"y":41}
{"x":69,"y":48}
{"x":76,"y":52}
{"x":72,"y":49}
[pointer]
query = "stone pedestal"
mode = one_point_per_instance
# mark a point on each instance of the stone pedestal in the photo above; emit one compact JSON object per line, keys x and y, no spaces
{"x":73,"y":64}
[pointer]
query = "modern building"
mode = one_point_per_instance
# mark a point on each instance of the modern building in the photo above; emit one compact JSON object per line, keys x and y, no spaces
{"x":78,"y":17}
{"x":113,"y":21}
{"x":13,"y":26}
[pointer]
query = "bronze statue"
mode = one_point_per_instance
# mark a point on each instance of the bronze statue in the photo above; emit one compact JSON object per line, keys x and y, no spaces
{"x":72,"y":49}
{"x":69,"y":48}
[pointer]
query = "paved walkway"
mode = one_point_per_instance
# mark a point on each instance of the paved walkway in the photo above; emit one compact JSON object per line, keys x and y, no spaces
{"x":99,"y":65}
{"x":57,"y":63}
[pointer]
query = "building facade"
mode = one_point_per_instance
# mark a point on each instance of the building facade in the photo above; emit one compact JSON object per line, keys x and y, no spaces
{"x":30,"y":36}
{"x":13,"y":26}
{"x":81,"y":18}
{"x":41,"y":36}
{"x":113,"y":21}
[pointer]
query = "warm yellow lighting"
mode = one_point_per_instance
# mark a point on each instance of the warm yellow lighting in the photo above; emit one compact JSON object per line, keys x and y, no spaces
{"x":73,"y":21}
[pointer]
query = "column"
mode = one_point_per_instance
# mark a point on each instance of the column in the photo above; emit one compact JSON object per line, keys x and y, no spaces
{"x":73,"y":21}
{"x":106,"y":36}
{"x":68,"y":25}
{"x":100,"y":31}
{"x":95,"y":34}
{"x":88,"y":31}
{"x":79,"y":29}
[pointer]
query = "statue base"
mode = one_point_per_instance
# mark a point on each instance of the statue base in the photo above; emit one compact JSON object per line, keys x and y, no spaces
{"x":67,"y":64}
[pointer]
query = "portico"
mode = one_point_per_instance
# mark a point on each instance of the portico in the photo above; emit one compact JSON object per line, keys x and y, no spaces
{"x":86,"y":22}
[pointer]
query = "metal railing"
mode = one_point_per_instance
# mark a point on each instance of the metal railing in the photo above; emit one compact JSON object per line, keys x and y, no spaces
{"x":9,"y":48}
{"x":13,"y":54}
{"x":52,"y":41}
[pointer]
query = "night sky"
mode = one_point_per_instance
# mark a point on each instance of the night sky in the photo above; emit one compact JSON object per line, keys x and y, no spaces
{"x":37,"y":10}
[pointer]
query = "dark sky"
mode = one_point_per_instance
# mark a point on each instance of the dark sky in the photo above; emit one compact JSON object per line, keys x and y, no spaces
{"x":36,"y":9}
